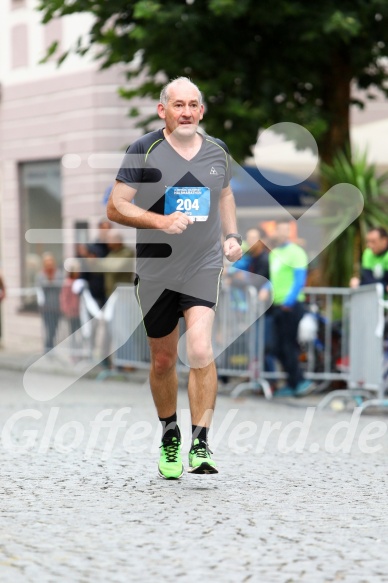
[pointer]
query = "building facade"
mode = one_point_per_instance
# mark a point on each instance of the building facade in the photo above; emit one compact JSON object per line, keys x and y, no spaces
{"x":51,"y":120}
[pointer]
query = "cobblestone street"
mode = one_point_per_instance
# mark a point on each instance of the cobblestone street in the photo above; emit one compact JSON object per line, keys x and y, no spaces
{"x":81,"y":500}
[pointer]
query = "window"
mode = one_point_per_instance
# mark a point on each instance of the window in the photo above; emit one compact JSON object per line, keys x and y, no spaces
{"x":15,"y":4}
{"x":19,"y":46}
{"x":40,"y":208}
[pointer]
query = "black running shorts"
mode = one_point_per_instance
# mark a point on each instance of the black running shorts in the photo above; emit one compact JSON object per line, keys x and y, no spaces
{"x":163,"y":303}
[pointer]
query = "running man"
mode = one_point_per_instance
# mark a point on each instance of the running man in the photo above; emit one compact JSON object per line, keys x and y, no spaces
{"x":183,"y":206}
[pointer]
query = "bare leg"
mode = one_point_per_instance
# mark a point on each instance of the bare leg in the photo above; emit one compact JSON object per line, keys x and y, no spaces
{"x":202,"y":388}
{"x":163,"y":376}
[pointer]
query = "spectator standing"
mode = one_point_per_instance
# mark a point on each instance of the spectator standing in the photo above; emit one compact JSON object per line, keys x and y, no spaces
{"x":2,"y":296}
{"x":69,"y":300}
{"x":2,"y":288}
{"x":255,"y":260}
{"x":120,"y":263}
{"x":258,"y":263}
{"x":120,"y":269}
{"x":49,"y":283}
{"x":257,"y":257}
{"x":92,"y":273}
{"x":374,"y":261}
{"x":101,"y":243}
{"x":92,"y":286}
{"x":288,"y":270}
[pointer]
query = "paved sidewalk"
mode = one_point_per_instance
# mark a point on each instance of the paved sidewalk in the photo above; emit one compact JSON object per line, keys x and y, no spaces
{"x":81,"y":502}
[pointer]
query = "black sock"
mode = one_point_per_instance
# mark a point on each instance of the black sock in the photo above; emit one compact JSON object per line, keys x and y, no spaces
{"x":199,"y":432}
{"x":169,"y":426}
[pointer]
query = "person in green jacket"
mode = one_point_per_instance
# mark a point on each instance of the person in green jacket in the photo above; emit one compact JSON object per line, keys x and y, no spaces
{"x":287,"y":271}
{"x":374,"y":261}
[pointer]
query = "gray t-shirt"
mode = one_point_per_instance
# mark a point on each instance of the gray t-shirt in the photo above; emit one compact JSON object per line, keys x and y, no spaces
{"x":166,"y":182}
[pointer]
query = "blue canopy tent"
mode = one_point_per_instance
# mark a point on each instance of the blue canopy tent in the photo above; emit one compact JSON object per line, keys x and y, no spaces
{"x":252,"y":189}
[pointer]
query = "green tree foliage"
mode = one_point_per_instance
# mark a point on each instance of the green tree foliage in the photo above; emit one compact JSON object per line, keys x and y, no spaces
{"x":342,"y":258}
{"x":257,"y":63}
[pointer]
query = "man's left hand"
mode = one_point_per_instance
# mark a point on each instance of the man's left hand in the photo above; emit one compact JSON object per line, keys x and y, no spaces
{"x":232,"y":249}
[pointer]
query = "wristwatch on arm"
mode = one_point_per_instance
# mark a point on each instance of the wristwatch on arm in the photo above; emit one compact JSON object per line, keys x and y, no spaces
{"x":236,"y":236}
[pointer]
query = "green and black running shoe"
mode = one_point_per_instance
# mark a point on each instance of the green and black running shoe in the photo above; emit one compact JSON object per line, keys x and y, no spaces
{"x":200,"y":460}
{"x":170,"y":462}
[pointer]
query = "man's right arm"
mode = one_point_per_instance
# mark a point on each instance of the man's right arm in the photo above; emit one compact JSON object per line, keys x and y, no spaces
{"x":122,"y":210}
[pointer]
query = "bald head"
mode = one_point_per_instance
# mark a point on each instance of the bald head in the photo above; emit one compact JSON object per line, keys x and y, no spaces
{"x":179,"y":82}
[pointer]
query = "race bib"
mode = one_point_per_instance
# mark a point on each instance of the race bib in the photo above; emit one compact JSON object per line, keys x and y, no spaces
{"x":193,"y":201}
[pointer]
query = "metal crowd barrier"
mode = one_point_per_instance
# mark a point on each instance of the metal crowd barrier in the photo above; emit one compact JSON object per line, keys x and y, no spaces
{"x":239,"y":337}
{"x":324,"y":358}
{"x":367,"y":379}
{"x":233,"y":339}
{"x":348,"y":348}
{"x":133,"y":350}
{"x":83,"y":332}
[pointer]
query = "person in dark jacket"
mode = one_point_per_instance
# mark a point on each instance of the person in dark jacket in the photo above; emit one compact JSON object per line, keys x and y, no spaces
{"x":95,"y":279}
